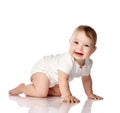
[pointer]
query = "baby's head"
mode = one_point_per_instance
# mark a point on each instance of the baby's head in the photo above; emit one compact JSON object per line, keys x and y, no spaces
{"x":89,"y":32}
{"x":82,"y":43}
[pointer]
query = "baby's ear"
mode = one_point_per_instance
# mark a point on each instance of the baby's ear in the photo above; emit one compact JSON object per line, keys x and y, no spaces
{"x":93,"y":50}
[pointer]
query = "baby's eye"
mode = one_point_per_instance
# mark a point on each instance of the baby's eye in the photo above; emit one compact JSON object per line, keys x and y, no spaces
{"x":76,"y":42}
{"x":87,"y":45}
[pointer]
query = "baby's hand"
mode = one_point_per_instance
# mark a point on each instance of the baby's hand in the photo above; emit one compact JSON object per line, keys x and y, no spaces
{"x":70,"y":99}
{"x":94,"y":97}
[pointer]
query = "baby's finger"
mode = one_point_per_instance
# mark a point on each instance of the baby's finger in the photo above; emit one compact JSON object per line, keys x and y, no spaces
{"x":99,"y":98}
{"x":76,"y":100}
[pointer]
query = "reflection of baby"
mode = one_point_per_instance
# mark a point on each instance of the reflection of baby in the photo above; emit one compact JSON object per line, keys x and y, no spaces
{"x":42,"y":105}
{"x":87,"y":107}
{"x":52,"y":74}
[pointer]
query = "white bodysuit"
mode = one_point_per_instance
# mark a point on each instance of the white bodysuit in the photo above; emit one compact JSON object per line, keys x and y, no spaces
{"x":63,"y":62}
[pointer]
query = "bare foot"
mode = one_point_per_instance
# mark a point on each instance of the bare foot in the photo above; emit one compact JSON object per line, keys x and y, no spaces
{"x":17,"y":90}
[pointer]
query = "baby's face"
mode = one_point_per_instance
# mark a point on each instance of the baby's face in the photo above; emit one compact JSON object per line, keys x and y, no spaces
{"x":81,"y":47}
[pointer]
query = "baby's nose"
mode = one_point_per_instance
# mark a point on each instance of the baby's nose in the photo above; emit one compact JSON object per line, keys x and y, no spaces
{"x":80,"y":47}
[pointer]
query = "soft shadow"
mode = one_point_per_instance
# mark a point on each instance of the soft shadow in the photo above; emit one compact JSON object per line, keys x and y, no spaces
{"x":42,"y":105}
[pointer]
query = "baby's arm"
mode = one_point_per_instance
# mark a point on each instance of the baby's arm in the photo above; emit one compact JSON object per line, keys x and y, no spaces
{"x":64,"y":88}
{"x":87,"y":84}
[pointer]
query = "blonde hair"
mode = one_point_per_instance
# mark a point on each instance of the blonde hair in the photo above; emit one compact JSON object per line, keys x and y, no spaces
{"x":89,"y":31}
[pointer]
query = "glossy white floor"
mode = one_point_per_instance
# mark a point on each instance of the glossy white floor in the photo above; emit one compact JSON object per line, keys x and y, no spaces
{"x":22,"y":104}
{"x":12,"y":104}
{"x":50,"y":105}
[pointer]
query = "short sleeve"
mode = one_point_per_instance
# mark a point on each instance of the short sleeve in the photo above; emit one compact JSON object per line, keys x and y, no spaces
{"x":65,"y":64}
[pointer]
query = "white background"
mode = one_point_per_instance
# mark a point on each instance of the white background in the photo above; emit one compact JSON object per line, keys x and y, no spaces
{"x":30,"y":29}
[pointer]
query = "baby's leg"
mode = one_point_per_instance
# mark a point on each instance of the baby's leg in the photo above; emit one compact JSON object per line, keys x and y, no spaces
{"x":38,"y":88}
{"x":54,"y":91}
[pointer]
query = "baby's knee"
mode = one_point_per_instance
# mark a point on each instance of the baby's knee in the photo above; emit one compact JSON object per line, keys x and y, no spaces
{"x":41,"y":94}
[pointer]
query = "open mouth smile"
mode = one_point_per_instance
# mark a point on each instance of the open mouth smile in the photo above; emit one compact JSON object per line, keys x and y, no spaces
{"x":79,"y":54}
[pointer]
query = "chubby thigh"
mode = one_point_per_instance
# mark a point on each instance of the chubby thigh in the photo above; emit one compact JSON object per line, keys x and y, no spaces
{"x":41,"y":83}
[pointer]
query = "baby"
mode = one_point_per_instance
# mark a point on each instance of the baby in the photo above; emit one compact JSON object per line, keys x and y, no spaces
{"x":51,"y":75}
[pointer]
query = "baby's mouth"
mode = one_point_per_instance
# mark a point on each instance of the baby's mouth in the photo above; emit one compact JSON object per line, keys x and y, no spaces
{"x":80,"y":54}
